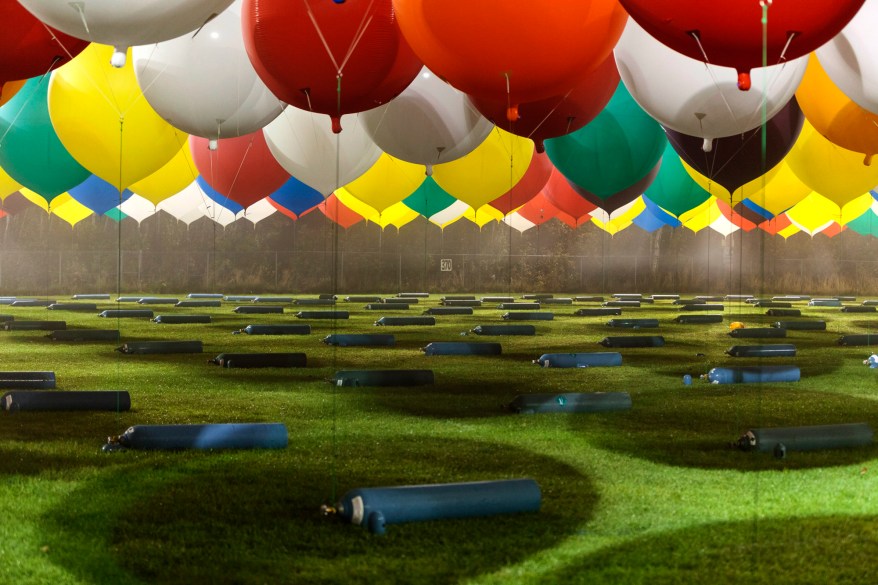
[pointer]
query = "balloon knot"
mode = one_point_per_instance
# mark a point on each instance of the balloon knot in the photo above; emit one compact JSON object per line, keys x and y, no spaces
{"x":512,"y":113}
{"x":336,"y":124}
{"x":743,"y":80}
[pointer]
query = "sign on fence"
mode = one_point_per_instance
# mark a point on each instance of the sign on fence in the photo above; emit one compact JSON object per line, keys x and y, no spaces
{"x":445,"y":264}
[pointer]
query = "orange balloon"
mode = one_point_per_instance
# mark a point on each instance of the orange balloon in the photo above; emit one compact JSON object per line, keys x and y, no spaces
{"x":834,"y":115}
{"x":524,"y":49}
{"x":9,"y":89}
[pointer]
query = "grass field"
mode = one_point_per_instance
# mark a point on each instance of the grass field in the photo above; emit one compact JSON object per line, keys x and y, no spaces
{"x":650,"y":495}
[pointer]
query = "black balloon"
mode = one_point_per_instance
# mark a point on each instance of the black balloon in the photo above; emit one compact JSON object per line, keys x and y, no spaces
{"x":736,"y":160}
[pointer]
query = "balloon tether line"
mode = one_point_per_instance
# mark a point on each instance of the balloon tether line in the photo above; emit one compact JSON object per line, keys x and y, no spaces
{"x":26,"y":102}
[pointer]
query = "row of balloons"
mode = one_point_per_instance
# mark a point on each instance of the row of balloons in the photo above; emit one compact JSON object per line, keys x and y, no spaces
{"x":623,"y":107}
{"x":556,"y":200}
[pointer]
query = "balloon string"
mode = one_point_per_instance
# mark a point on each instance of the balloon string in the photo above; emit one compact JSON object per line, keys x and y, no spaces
{"x":240,"y":166}
{"x":320,"y":35}
{"x":154,"y":79}
{"x":21,"y":110}
{"x":334,"y":282}
{"x":719,"y":90}
{"x":790,"y":37}
{"x":57,"y":40}
{"x":70,"y":56}
{"x":119,"y":249}
{"x":358,"y":35}
{"x":357,"y":38}
{"x":337,"y":107}
{"x":552,"y":111}
{"x":211,"y":205}
{"x":695,"y":36}
{"x":78,"y":6}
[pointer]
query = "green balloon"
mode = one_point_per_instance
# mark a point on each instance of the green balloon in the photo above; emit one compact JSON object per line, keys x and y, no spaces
{"x":674,"y":189}
{"x":613,"y":151}
{"x":30,"y":150}
{"x":429,"y":199}
{"x":865,"y":225}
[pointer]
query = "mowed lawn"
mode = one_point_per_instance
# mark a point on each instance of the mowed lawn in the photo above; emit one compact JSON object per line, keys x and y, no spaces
{"x":650,"y":495}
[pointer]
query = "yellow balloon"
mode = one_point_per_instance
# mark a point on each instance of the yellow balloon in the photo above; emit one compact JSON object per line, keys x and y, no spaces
{"x":834,"y":114}
{"x":815,"y":211}
{"x":388,"y":181}
{"x":103,"y":120}
{"x":169,"y":180}
{"x":483,"y":215}
{"x":72,"y":211}
{"x":836,"y":173}
{"x":788,"y":231}
{"x":702,"y":216}
{"x":396,"y":215}
{"x":781,"y":190}
{"x":41,"y":202}
{"x":354,"y":204}
{"x":489,"y":171}
{"x":616,"y":223}
{"x":8,"y":186}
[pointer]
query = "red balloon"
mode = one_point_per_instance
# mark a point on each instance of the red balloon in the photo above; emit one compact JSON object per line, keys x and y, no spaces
{"x":28,"y":47}
{"x":339,"y":212}
{"x":327,"y":57}
{"x":530,"y":184}
{"x":775,"y":224}
{"x":833,"y":230}
{"x":559,"y":192}
{"x":515,"y":50}
{"x":559,"y":114}
{"x":734,"y":217}
{"x":243,"y":168}
{"x":540,"y":210}
{"x":730,"y":32}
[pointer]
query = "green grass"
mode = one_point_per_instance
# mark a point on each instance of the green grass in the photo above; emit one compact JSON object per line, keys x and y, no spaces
{"x":651,"y":495}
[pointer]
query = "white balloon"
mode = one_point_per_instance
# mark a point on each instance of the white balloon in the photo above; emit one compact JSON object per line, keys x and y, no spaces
{"x":849,"y":58}
{"x":304,"y":145}
{"x":204,"y":84}
{"x":697,"y":99}
{"x":186,"y":205}
{"x":124,"y":23}
{"x":429,"y":123}
{"x":137,"y":208}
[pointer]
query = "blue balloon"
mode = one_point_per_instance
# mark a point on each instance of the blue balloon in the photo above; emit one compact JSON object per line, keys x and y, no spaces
{"x":99,"y":195}
{"x":654,"y":217}
{"x":218,"y":197}
{"x":296,"y":196}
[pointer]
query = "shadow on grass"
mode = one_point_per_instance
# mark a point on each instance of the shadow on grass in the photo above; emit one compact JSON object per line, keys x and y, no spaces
{"x":26,"y":462}
{"x":694,"y":427}
{"x":50,"y":426}
{"x":835,"y":549}
{"x":445,"y":402}
{"x":253,"y":517}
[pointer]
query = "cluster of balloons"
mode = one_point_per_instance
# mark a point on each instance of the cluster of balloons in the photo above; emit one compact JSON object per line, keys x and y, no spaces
{"x":729,"y":114}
